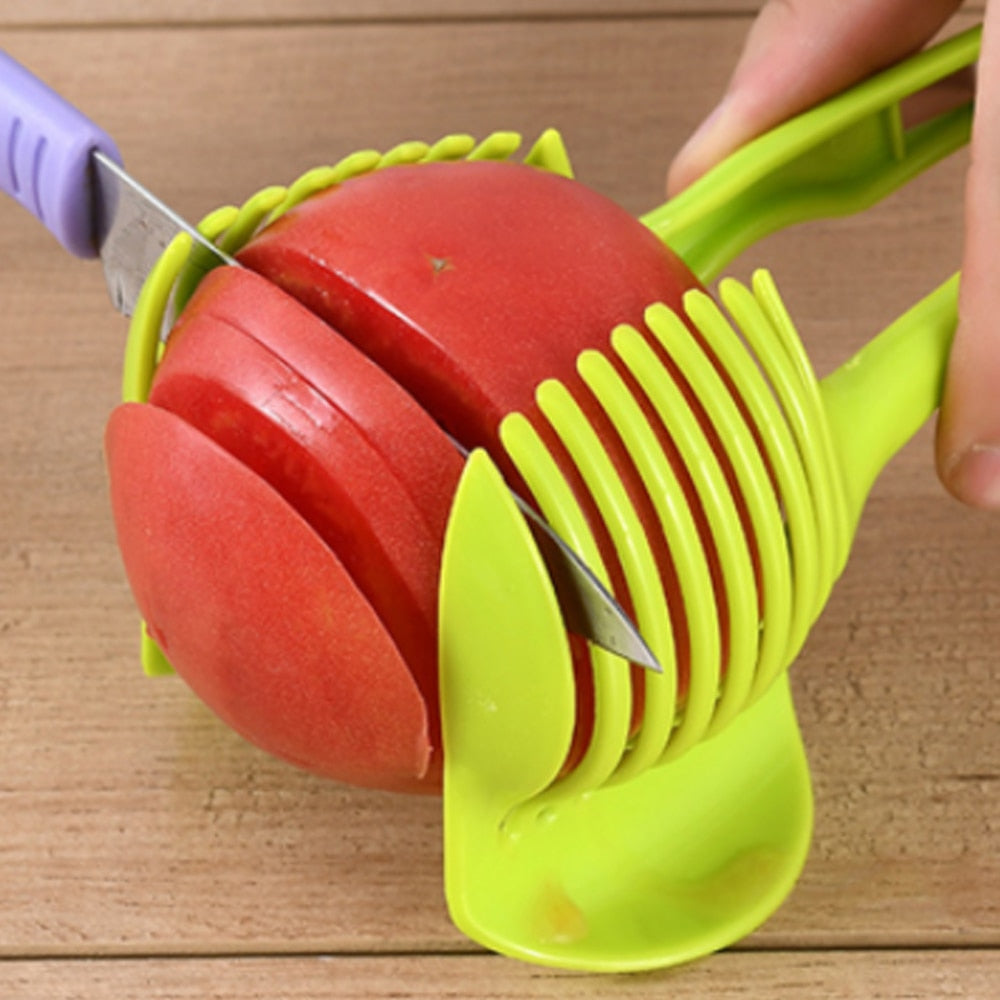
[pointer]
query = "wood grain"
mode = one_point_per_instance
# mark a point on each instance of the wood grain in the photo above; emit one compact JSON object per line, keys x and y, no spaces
{"x":100,"y":13}
{"x":69,"y":12}
{"x":134,"y":825}
{"x":788,"y":975}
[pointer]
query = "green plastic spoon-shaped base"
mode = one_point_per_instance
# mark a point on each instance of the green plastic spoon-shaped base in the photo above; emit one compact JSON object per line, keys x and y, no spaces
{"x":661,"y":869}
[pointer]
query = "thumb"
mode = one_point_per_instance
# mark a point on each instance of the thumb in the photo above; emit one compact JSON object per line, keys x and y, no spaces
{"x":968,"y":438}
{"x":799,"y":52}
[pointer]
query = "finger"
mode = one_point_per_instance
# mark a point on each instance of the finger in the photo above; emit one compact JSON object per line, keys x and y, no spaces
{"x":800,"y":52}
{"x":968,"y":438}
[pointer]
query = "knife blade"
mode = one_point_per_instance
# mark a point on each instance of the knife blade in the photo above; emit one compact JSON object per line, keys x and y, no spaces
{"x":132,"y":228}
{"x":68,"y":172}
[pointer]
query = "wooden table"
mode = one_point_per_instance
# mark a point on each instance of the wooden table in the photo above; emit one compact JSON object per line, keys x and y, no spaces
{"x":144,"y":849}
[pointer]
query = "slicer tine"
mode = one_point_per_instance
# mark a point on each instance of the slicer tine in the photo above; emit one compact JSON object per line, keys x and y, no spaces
{"x":589,"y":608}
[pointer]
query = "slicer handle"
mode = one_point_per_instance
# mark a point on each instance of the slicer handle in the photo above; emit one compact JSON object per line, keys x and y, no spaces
{"x":838,"y":157}
{"x":878,"y":399}
{"x":45,"y":155}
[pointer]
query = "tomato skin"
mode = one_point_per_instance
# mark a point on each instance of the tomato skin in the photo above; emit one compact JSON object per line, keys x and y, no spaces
{"x":255,"y":611}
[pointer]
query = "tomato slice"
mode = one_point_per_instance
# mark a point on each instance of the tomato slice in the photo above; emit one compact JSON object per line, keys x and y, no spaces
{"x":251,"y":403}
{"x":256,"y":612}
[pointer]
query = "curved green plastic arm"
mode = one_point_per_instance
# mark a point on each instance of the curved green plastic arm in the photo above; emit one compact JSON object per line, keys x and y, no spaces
{"x":878,"y":399}
{"x":837,"y":158}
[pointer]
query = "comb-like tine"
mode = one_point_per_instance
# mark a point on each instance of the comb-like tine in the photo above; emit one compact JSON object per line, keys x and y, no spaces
{"x":753,"y":490}
{"x":725,"y":539}
{"x":320,"y":178}
{"x":232,"y":231}
{"x":807,"y":418}
{"x":765,"y":388}
{"x":679,"y":519}
{"x":411,"y":151}
{"x":185,"y":279}
{"x":747,"y":433}
{"x":612,"y":684}
{"x":450,"y":147}
{"x":364,"y":161}
{"x":633,"y":548}
{"x":317,"y":179}
{"x":252,"y":215}
{"x":656,"y":616}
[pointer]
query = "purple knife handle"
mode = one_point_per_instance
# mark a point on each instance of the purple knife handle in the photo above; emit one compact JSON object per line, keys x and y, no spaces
{"x":45,"y":149}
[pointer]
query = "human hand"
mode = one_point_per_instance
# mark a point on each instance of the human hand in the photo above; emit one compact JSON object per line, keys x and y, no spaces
{"x":800,"y":52}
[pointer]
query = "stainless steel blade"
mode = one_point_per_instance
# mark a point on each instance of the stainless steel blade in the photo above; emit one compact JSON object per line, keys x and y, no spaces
{"x":588,"y":607}
{"x":133,"y":228}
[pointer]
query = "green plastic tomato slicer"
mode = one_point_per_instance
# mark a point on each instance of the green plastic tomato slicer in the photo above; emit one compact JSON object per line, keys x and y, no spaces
{"x":669,"y":840}
{"x":666,"y":843}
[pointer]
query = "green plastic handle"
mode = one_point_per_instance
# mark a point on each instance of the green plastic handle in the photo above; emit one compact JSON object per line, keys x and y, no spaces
{"x":836,"y":158}
{"x":878,"y":399}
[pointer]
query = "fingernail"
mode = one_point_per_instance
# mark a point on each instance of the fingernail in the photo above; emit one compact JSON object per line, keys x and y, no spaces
{"x":702,"y":149}
{"x":973,"y":476}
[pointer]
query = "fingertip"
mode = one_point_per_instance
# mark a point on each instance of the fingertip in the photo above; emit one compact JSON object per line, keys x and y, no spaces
{"x":972,"y":475}
{"x":708,"y":144}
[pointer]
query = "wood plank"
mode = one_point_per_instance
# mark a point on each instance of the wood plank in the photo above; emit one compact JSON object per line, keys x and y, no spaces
{"x":789,"y":975}
{"x":36,"y":13}
{"x":133,"y":824}
{"x":72,"y":12}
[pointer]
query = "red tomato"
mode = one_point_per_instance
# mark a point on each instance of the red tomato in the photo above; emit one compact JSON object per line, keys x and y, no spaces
{"x":473,"y":282}
{"x":459,"y":287}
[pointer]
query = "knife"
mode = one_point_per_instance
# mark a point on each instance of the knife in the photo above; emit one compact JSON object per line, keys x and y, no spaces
{"x":68,"y":173}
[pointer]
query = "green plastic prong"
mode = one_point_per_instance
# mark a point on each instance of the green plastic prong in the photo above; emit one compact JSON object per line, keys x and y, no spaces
{"x":451,"y":147}
{"x":496,"y":146}
{"x":323,"y":177}
{"x":652,"y":607}
{"x":728,"y":540}
{"x":412,"y":151}
{"x":364,"y":161}
{"x":213,"y":227}
{"x":153,"y":659}
{"x":549,"y":153}
{"x":769,"y":392}
{"x":754,"y":492}
{"x":559,"y":507}
{"x":252,"y":215}
{"x":143,"y":342}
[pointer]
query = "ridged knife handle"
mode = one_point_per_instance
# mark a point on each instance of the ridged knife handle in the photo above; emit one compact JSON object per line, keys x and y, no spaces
{"x":45,"y":151}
